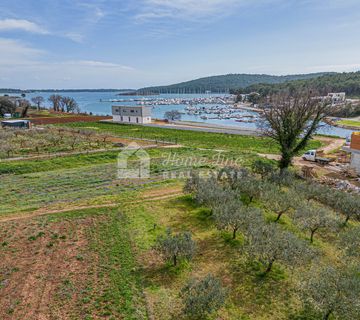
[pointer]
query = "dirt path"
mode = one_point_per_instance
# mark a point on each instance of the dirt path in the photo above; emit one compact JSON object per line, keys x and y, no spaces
{"x":152,"y":195}
{"x":331,"y":144}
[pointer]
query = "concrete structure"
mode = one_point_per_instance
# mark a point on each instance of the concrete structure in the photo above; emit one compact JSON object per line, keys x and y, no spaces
{"x":131,"y":114}
{"x":354,"y":149}
{"x":337,"y":97}
{"x":16,"y":124}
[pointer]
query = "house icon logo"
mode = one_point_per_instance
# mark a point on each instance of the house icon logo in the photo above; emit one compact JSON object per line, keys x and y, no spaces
{"x":133,"y":163}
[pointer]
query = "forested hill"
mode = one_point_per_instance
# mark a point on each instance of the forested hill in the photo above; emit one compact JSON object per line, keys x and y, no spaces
{"x":339,"y":82}
{"x":225,"y":83}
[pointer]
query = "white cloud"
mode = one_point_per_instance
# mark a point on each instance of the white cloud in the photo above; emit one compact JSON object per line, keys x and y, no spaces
{"x":97,"y":64}
{"x":191,"y":9}
{"x":22,"y":66}
{"x":75,"y":36}
{"x":13,"y":52}
{"x":21,"y":24}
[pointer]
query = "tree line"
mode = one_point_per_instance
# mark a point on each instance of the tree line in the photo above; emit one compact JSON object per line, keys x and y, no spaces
{"x":338,"y":82}
{"x":58,"y":103}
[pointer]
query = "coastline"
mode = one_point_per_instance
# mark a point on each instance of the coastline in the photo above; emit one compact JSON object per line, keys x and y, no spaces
{"x":333,"y":123}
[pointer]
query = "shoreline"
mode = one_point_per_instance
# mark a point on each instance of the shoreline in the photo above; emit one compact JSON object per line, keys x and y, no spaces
{"x":333,"y":123}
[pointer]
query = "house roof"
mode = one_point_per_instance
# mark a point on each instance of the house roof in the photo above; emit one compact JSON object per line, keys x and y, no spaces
{"x":15,"y":121}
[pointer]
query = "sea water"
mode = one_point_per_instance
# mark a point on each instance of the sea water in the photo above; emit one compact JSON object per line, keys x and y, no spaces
{"x":98,"y":104}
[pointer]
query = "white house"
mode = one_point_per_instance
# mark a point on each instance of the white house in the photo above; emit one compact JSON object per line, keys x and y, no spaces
{"x":337,"y":97}
{"x":131,"y":114}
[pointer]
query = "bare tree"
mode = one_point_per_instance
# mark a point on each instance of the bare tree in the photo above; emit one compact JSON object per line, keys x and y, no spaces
{"x":24,"y":105}
{"x":69,"y":104}
{"x":38,"y":100}
{"x":55,"y":99}
{"x":172,"y":115}
{"x":291,"y":119}
{"x":7,"y":147}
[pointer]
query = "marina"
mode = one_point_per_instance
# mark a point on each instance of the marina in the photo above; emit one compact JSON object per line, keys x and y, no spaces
{"x":202,"y":108}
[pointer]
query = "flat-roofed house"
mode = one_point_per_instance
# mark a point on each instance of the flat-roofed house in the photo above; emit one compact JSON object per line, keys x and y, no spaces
{"x":337,"y":97}
{"x":16,"y":124}
{"x":131,"y":114}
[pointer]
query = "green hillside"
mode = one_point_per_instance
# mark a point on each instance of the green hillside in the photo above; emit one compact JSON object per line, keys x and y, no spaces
{"x":225,"y":83}
{"x":339,"y":82}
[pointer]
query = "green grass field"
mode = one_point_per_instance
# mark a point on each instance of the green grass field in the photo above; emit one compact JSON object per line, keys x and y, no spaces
{"x":190,"y":138}
{"x":96,"y":260}
{"x":120,"y":276}
{"x":351,"y":123}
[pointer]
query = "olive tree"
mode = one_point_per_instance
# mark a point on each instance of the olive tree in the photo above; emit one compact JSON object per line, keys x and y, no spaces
{"x":176,"y":246}
{"x":312,"y":218}
{"x":349,"y":205}
{"x":211,"y":193}
{"x":309,"y":191}
{"x":291,"y":119}
{"x":192,"y":183}
{"x":234,"y":215}
{"x":350,"y":241}
{"x":333,"y":292}
{"x":281,"y":202}
{"x":269,"y":243}
{"x":203,"y":297}
{"x":263,"y":168}
{"x":233,"y":175}
{"x":251,"y":187}
{"x":283,"y":177}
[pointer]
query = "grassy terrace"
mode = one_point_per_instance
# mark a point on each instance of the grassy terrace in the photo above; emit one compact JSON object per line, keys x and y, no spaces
{"x":115,"y":273}
{"x":351,"y":123}
{"x":96,"y":260}
{"x":189,"y":138}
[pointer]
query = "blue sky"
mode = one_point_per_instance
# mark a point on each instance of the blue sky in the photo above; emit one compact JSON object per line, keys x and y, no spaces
{"x":129,"y":44}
